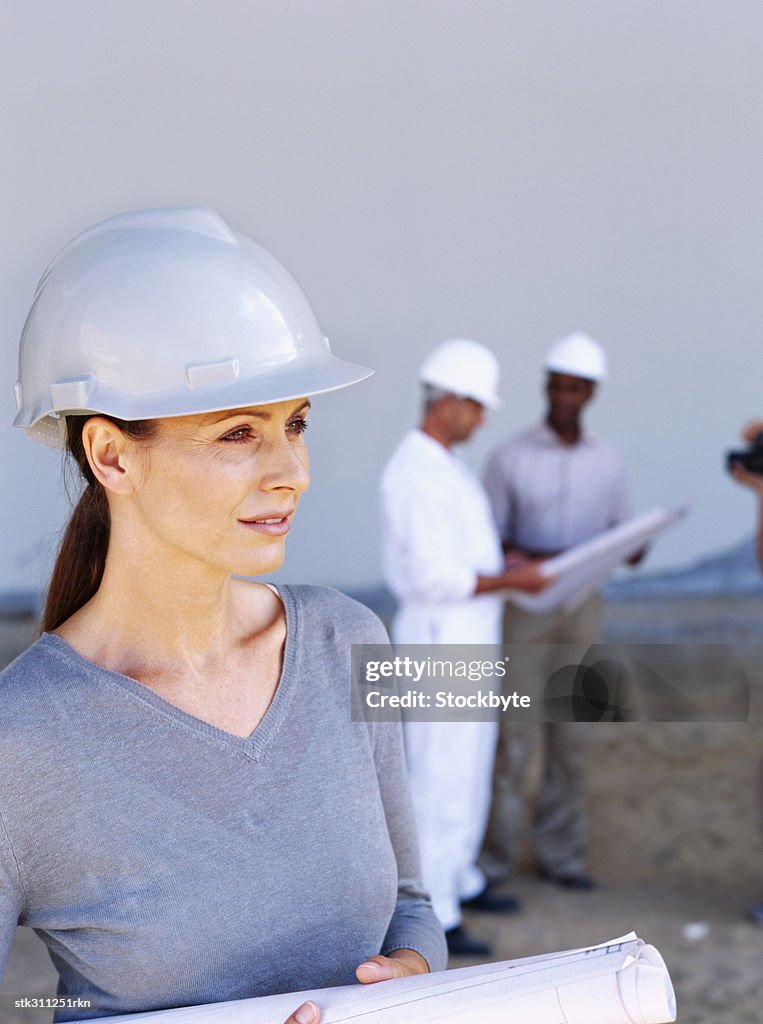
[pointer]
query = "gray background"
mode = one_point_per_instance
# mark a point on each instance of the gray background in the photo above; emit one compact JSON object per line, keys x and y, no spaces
{"x":504,"y":170}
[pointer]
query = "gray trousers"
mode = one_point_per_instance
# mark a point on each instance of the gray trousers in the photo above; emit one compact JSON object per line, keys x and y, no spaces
{"x":557,"y":822}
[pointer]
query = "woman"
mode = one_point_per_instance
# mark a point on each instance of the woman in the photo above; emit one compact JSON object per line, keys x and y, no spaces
{"x":188,"y":814}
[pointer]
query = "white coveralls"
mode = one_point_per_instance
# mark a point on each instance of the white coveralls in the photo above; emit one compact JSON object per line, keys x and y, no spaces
{"x":439,"y":535}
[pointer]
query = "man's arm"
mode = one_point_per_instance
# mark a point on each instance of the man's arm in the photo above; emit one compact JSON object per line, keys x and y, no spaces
{"x":755,"y":483}
{"x":520,"y":573}
{"x":434,"y":569}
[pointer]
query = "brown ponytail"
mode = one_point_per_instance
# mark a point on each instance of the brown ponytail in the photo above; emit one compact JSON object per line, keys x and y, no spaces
{"x":81,"y":559}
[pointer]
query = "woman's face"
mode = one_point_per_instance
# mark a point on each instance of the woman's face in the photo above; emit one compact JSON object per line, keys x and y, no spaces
{"x":222,"y":487}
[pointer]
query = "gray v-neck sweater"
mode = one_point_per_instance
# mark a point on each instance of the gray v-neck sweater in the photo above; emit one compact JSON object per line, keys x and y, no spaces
{"x":165,"y":862}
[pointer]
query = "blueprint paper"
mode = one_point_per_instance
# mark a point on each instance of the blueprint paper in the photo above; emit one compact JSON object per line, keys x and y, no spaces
{"x":622,"y":981}
{"x":582,"y":569}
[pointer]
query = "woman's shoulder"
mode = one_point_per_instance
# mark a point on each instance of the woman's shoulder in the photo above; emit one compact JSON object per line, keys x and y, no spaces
{"x":325,"y":608}
{"x":27,"y":684}
{"x":33,"y":662}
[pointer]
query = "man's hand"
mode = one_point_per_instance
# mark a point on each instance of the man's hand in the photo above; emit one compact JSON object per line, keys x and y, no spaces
{"x":528,"y":577}
{"x":399,"y":964}
{"x":637,"y":557}
{"x":520,"y":573}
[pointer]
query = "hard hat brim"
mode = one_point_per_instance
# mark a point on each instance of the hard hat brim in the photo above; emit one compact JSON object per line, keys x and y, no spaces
{"x":280,"y":385}
{"x":491,"y":401}
{"x":592,"y":376}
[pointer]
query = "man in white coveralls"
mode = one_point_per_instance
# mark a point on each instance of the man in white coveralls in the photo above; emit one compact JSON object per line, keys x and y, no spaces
{"x":551,"y":487}
{"x":443,"y":561}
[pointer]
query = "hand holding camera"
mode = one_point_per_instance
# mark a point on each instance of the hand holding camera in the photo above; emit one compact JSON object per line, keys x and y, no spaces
{"x":746,"y":465}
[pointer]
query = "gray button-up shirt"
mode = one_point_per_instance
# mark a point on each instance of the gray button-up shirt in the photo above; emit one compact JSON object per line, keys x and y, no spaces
{"x":548,"y":495}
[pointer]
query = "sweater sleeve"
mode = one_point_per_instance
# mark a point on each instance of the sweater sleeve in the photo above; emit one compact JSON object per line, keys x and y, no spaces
{"x":11,"y":897}
{"x":414,"y":924}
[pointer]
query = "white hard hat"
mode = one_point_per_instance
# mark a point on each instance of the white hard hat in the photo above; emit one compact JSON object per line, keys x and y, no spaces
{"x":577,"y":355}
{"x":465,"y":368}
{"x":167,"y":313}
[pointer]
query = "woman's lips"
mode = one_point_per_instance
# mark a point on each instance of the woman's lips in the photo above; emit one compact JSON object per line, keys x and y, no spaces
{"x":273,"y":526}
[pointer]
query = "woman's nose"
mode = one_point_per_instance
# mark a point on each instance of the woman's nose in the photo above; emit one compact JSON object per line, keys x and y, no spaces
{"x":285,"y":465}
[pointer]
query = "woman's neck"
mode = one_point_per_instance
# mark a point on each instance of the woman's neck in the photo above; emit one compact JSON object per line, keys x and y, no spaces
{"x":174,"y":618}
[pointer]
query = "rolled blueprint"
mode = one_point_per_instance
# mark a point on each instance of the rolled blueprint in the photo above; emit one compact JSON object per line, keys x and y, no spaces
{"x":623,"y":981}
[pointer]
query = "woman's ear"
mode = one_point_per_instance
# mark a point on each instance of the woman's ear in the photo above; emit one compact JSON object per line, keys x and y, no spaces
{"x":106,"y":448}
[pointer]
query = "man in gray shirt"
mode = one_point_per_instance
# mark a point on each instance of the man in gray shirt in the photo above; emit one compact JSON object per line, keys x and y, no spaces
{"x":551,"y":487}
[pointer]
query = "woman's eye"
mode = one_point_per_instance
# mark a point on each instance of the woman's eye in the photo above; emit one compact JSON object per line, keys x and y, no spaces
{"x":240,"y":434}
{"x":298,"y":426}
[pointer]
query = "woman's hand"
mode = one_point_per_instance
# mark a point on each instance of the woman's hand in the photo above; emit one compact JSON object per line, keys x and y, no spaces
{"x":308,"y":1013}
{"x":401,"y":963}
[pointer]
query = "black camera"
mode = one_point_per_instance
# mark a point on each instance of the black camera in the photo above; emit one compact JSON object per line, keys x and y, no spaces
{"x":750,"y":459}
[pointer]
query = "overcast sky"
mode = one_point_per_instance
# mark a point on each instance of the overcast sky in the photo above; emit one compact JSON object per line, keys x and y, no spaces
{"x":504,"y":170}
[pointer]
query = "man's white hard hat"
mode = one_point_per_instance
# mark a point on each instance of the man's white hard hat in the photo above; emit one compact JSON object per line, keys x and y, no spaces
{"x":577,"y":355}
{"x":465,"y":368}
{"x":167,"y":312}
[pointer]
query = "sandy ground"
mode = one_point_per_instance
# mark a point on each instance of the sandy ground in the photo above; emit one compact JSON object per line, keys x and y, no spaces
{"x":674,"y":839}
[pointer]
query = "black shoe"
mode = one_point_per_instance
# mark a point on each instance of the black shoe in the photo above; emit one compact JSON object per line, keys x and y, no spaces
{"x":491,"y":902}
{"x":461,"y":943}
{"x":580,"y":883}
